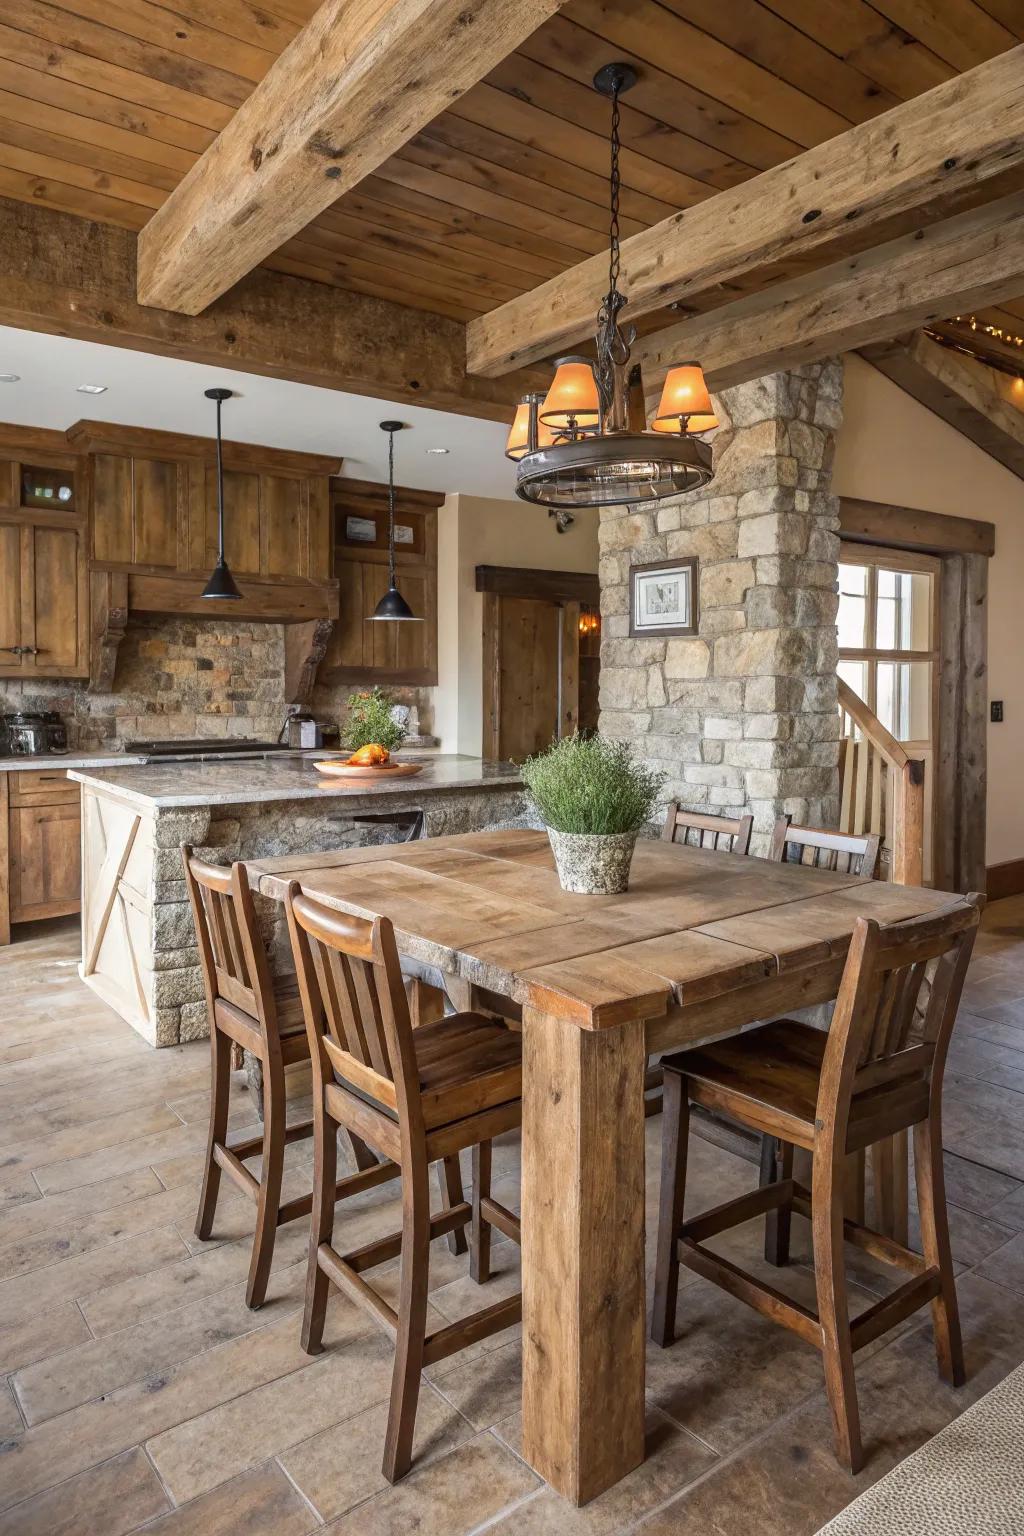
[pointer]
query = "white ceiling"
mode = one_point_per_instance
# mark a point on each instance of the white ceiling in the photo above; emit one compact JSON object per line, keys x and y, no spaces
{"x":148,"y":391}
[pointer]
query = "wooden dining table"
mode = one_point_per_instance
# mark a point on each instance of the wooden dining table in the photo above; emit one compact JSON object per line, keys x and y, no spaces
{"x":702,"y":945}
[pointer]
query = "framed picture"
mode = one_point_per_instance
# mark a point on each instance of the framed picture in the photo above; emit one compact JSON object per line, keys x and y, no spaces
{"x":663,"y":598}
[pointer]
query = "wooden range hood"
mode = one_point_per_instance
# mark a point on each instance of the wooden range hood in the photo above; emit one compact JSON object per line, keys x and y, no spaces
{"x":152,"y":502}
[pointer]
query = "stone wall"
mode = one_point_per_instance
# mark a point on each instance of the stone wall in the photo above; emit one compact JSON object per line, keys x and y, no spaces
{"x":186,"y":677}
{"x":743,"y":716}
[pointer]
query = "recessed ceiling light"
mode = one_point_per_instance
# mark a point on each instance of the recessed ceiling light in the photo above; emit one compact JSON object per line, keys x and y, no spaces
{"x":9,"y":378}
{"x":439,"y":450}
{"x":92,"y":389}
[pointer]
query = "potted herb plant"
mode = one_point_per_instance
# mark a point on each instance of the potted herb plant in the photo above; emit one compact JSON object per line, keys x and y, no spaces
{"x":593,"y":796}
{"x":370,"y":723}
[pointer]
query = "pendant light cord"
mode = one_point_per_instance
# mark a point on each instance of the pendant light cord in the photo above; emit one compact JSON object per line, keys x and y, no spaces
{"x":391,"y":509}
{"x":220,"y":492}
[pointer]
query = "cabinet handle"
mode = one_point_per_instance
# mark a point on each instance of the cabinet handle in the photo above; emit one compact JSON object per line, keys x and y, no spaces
{"x":21,"y":650}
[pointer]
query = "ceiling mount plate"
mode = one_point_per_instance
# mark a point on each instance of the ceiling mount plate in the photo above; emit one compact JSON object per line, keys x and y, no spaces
{"x":615,"y":77}
{"x":218,"y":394}
{"x":392,"y":426}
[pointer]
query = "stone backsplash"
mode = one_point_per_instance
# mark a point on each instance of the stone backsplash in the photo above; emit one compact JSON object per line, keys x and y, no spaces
{"x":186,"y":677}
{"x":744,"y":716}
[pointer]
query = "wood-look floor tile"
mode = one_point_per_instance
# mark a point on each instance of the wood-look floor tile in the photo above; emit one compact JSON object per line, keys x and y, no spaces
{"x":25,"y":1296}
{"x":123,"y":1158}
{"x":99,"y":1367}
{"x":211,"y":1447}
{"x":974,"y":1187}
{"x":147,"y":1296}
{"x":17,"y":1190}
{"x":109,"y":1500}
{"x":486,"y":1387}
{"x":342,"y":1466}
{"x":262,"y":1502}
{"x":41,"y":1217}
{"x":11,"y":1421}
{"x":449,"y":1497}
{"x":36,"y":1337}
{"x":165,"y":1208}
{"x":673,"y":1460}
{"x":61,"y":1447}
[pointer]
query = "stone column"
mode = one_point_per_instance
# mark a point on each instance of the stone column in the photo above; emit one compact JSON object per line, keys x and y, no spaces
{"x":744,"y":717}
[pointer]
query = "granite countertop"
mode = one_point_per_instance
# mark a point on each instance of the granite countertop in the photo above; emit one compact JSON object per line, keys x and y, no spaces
{"x":169,"y":786}
{"x":58,"y":760}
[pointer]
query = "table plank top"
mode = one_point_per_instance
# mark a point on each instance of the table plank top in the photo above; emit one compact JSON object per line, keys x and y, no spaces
{"x":694,"y":924}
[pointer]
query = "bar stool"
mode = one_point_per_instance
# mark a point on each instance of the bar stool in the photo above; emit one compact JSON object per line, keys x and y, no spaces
{"x":877,"y":1071}
{"x":415,"y":1096}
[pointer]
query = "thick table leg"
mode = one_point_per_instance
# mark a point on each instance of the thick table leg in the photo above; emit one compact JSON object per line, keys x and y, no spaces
{"x":583,"y":1252}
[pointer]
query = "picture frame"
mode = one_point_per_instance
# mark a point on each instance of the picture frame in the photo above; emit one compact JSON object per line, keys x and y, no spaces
{"x":663,"y":598}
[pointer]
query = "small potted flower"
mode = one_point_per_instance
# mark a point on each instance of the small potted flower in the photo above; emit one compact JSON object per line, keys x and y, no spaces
{"x":593,"y":796}
{"x":371,"y":732}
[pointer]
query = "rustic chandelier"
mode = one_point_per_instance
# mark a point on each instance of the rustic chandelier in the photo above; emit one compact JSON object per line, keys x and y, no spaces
{"x":584,"y":443}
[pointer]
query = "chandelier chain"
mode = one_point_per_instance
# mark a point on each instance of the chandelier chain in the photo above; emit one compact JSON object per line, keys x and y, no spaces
{"x":614,"y":187}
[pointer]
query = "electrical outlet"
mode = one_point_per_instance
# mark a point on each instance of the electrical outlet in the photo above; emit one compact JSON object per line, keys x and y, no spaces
{"x":997,"y":711}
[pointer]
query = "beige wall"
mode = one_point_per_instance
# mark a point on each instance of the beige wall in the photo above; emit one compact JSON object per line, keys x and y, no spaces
{"x":472,"y":531}
{"x":893,"y":450}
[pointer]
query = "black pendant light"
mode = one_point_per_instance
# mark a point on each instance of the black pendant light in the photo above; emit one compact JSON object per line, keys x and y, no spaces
{"x":221,"y":583}
{"x":392,"y":605}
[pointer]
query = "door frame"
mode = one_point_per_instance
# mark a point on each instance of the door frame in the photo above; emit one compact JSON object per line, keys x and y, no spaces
{"x":964,"y":548}
{"x":569,"y":591}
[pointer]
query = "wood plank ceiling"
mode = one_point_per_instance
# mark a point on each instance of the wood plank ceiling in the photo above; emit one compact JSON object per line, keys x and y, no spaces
{"x":105,"y":104}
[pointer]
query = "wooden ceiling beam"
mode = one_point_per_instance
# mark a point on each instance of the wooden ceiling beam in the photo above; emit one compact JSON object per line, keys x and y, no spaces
{"x":356,"y":84}
{"x":985,"y":405}
{"x":955,"y":144}
{"x":69,"y":277}
{"x":972,"y":259}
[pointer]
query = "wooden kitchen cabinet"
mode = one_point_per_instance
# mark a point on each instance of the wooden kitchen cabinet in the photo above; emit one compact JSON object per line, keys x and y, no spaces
{"x":154,"y":499}
{"x":40,"y":847}
{"x":43,"y":560}
{"x":387,"y":654}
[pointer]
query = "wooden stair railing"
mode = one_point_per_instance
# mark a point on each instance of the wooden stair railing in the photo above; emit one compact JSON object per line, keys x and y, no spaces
{"x":882,"y":789}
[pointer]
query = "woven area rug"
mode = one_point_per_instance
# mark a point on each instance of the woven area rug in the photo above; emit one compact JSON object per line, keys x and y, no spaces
{"x":967,"y":1481}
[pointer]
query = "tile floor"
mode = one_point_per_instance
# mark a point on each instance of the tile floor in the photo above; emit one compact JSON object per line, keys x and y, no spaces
{"x":138,"y":1393}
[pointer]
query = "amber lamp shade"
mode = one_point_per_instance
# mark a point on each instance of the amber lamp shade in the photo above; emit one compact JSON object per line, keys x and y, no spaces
{"x":519,"y":433}
{"x":685,"y":394}
{"x":572,"y":400}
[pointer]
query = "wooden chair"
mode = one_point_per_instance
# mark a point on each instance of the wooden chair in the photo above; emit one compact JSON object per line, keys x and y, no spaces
{"x":415,"y":1095}
{"x":725,"y":834}
{"x":261,"y":1013}
{"x":707,"y":831}
{"x":877,"y":1071}
{"x":845,"y":852}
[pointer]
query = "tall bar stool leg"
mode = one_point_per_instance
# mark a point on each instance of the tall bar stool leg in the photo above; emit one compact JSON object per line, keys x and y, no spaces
{"x":449,"y":1182}
{"x":321,"y":1227}
{"x":931,"y":1200}
{"x":776,"y":1164}
{"x":675,"y":1136}
{"x":220,"y":1089}
{"x":833,"y":1313}
{"x":270,"y":1183}
{"x":480,"y":1249}
{"x":412,"y":1319}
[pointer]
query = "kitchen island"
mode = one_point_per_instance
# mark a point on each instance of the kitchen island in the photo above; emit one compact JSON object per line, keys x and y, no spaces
{"x":138,"y":944}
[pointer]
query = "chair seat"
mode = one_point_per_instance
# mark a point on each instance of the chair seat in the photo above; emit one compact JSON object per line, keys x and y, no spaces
{"x":769,"y":1077}
{"x":466,"y":1063}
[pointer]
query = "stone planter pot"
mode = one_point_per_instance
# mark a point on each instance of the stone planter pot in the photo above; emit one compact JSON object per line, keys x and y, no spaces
{"x":593,"y":864}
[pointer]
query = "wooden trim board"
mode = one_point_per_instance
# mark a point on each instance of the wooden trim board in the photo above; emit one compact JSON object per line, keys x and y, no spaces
{"x":932,"y":533}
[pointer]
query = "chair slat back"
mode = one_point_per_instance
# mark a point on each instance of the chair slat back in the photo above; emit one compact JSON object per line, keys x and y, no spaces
{"x":844,"y":852}
{"x":353,"y":998}
{"x":898,"y":1001}
{"x":728,"y":834}
{"x":231,"y":951}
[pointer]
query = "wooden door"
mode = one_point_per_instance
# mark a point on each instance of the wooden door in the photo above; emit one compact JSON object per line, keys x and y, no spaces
{"x":45,"y":860}
{"x":531,"y":672}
